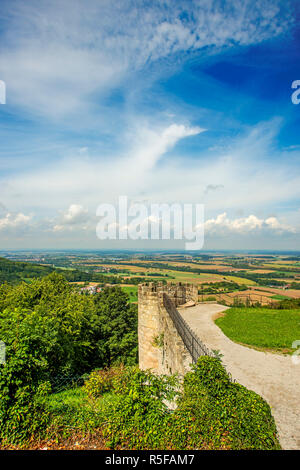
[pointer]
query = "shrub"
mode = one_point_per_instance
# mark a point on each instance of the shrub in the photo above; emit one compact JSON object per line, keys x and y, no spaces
{"x":211,"y":374}
{"x":140,"y":415}
{"x":221,"y":414}
{"x":101,"y":381}
{"x":22,"y":410}
{"x":212,"y":412}
{"x":52,"y":333}
{"x":253,"y":426}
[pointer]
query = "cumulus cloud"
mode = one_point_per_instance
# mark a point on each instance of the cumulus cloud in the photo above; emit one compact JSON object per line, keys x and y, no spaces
{"x":75,"y":214}
{"x":75,"y":217}
{"x":66,"y":50}
{"x":244,"y":176}
{"x":13,"y":221}
{"x":223,"y":224}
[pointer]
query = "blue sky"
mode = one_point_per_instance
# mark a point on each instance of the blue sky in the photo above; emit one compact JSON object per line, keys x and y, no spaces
{"x":162,"y":101}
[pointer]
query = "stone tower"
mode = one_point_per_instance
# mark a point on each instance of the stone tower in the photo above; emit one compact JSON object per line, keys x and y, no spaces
{"x":155,"y":326}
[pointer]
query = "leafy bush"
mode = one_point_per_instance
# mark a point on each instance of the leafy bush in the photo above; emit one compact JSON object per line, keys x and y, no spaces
{"x":72,"y":411}
{"x":212,"y":412}
{"x":290,"y":304}
{"x":117,"y":338}
{"x":220,"y":414}
{"x":51,"y":332}
{"x":22,"y":410}
{"x":210,"y":373}
{"x":139,"y":417}
{"x":101,"y":381}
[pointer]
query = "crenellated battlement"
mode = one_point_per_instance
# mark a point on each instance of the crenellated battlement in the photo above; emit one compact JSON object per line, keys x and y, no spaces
{"x":180,"y":293}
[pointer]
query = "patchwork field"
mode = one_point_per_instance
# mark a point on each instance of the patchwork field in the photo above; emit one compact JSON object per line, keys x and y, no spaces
{"x":294,"y":294}
{"x":245,"y":296}
{"x":260,"y":278}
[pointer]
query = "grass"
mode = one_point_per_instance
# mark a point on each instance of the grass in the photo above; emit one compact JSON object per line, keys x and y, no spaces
{"x":132,"y":291}
{"x":262,"y":327}
{"x":186,"y":276}
{"x":72,"y":409}
{"x":280,"y":297}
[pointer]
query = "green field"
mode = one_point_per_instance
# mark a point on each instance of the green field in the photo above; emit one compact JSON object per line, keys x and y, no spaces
{"x":74,"y":411}
{"x":280,"y":297}
{"x":132,"y":291}
{"x":262,"y":327}
{"x":181,"y":276}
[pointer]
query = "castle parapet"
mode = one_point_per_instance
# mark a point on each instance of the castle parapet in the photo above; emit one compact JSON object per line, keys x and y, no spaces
{"x":153,"y":319}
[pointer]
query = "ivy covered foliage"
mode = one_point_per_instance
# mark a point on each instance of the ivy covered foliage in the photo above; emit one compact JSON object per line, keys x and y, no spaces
{"x":51,"y":332}
{"x":222,"y":414}
{"x":210,"y":411}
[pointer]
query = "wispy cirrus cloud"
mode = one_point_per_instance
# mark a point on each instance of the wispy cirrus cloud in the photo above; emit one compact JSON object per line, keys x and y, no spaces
{"x":103,"y":100}
{"x":249,"y":174}
{"x":93,"y":180}
{"x":58,"y":57}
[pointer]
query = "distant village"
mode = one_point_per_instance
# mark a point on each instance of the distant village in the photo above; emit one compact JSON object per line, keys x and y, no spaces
{"x":90,"y":289}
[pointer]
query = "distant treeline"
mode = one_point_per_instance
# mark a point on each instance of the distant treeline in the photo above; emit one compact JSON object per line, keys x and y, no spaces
{"x":13,"y":272}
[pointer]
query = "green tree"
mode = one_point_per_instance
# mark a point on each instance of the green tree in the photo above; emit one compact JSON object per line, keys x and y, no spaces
{"x":117,"y":322}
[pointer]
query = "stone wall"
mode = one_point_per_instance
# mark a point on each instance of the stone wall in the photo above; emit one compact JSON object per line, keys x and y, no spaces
{"x":148,"y":327}
{"x":160,"y":346}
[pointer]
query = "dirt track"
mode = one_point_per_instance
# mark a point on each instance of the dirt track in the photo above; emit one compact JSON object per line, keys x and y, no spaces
{"x":276,"y":378}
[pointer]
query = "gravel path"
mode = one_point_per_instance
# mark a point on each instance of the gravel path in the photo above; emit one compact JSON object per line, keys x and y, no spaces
{"x":276,"y":378}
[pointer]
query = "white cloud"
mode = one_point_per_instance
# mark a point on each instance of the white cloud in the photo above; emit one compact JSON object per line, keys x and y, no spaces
{"x":92,"y":181}
{"x":12,"y":221}
{"x":152,"y":145}
{"x":76,"y":217}
{"x":244,"y":177}
{"x":57,"y":54}
{"x":223,"y":224}
{"x":75,"y":214}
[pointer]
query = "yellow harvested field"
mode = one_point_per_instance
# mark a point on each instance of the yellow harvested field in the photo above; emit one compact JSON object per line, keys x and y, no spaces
{"x":80,"y":283}
{"x":262,"y":271}
{"x":253,"y":295}
{"x":240,"y":280}
{"x":253,"y":292}
{"x":294,"y":293}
